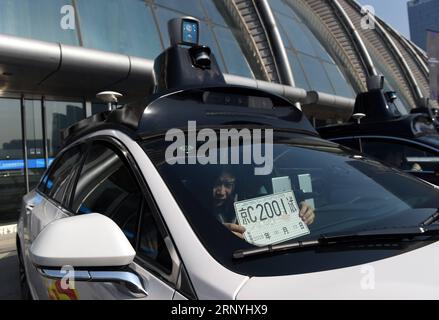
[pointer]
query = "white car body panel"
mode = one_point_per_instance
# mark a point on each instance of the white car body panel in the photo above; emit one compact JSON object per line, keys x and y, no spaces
{"x":37,"y":213}
{"x":412,"y":275}
{"x":156,"y":288}
{"x":179,"y":297}
{"x":203,"y":270}
{"x":81,"y":239}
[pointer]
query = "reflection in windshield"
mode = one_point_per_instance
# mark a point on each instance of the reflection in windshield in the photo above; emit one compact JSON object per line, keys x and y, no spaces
{"x":345,"y":192}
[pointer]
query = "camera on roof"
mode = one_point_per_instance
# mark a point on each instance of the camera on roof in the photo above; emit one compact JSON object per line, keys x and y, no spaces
{"x":186,"y":32}
{"x":200,"y":56}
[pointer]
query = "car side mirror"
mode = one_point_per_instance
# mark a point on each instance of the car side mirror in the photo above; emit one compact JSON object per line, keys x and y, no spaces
{"x":92,"y":243}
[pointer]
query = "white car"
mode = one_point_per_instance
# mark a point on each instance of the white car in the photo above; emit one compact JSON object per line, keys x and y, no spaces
{"x":112,"y":218}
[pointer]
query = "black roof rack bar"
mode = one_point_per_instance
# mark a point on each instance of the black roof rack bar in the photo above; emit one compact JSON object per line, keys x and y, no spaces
{"x":174,"y":108}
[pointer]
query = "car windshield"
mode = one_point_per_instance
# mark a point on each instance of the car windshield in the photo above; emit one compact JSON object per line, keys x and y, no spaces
{"x":346,"y":191}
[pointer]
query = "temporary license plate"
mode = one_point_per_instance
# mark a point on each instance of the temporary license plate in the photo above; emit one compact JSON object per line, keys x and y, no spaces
{"x":270,"y":219}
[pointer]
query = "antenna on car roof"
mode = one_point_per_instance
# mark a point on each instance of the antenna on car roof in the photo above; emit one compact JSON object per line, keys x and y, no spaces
{"x":110,"y":97}
{"x":358,"y":117}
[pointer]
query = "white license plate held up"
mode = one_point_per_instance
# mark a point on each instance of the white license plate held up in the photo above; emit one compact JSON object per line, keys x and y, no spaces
{"x":270,"y":219}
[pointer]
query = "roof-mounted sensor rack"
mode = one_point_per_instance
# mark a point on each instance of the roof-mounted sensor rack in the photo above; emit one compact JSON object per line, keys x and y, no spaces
{"x":189,"y":86}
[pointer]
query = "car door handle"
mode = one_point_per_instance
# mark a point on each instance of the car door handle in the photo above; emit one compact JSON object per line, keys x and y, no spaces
{"x":29,"y":208}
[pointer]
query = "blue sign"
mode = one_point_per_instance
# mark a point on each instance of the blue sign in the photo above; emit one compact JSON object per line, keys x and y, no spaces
{"x":19,"y":164}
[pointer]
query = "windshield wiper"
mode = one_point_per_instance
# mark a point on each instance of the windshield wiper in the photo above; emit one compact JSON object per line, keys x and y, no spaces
{"x":433,"y":218}
{"x":336,"y":239}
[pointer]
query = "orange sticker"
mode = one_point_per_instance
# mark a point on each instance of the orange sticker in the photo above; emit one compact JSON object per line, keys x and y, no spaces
{"x":56,"y":292}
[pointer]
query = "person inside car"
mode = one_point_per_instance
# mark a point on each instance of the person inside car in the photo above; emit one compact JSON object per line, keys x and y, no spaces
{"x":395,"y":157}
{"x":224,"y":195}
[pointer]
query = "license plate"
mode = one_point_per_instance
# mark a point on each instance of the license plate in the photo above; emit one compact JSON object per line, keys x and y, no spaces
{"x":270,"y":219}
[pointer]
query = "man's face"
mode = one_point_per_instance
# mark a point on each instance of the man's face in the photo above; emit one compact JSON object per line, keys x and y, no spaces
{"x":223,"y":188}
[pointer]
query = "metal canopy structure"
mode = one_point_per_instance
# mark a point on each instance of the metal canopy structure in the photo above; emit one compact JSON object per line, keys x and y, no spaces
{"x":31,"y":67}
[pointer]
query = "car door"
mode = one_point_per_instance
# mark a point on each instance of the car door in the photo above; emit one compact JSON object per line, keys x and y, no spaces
{"x":108,"y":185}
{"x":44,"y":205}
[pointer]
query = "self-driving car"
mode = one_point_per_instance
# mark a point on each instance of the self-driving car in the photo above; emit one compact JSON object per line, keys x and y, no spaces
{"x":129,"y":207}
{"x":408,"y":142}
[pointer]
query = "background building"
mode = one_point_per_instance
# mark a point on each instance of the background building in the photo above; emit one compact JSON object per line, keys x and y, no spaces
{"x":423,"y":16}
{"x":55,"y":55}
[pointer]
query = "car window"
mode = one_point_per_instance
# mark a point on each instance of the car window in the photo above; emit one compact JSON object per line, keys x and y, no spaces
{"x":107,"y":186}
{"x":152,"y":246}
{"x":347,"y":191}
{"x":405,"y":156}
{"x":55,"y":183}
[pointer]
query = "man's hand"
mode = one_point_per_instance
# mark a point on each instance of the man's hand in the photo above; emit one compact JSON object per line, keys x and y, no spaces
{"x":416,"y":167}
{"x":306,"y":213}
{"x":236,"y":229}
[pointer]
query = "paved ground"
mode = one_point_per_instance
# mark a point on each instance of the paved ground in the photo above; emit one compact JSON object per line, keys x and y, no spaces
{"x":7,"y":242}
{"x":9,"y":281}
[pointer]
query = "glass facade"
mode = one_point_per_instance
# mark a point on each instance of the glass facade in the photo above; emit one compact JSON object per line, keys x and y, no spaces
{"x":35,"y":141}
{"x":312,"y":66}
{"x":12,"y":185}
{"x":219,"y":32}
{"x":132,"y":27}
{"x":126,"y":27}
{"x":58,"y":116}
{"x":139,"y":28}
{"x":41,"y":20}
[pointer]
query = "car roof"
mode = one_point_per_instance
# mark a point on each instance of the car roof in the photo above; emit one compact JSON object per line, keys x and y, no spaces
{"x":402,"y":127}
{"x":379,"y":116}
{"x":213,"y":107}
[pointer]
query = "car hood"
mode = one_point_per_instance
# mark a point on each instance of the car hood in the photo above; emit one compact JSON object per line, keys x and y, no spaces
{"x":412,"y":275}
